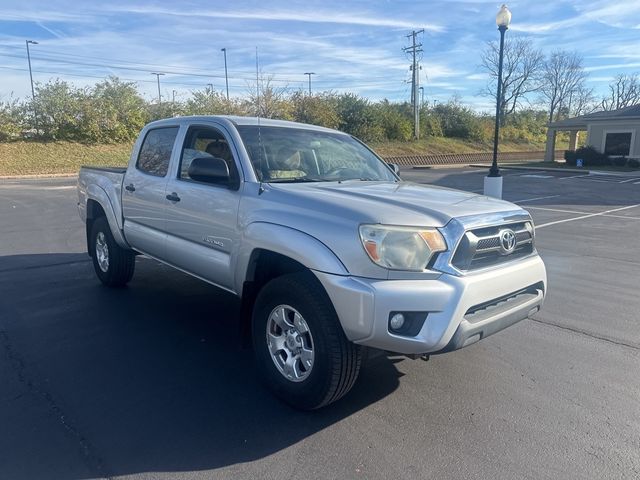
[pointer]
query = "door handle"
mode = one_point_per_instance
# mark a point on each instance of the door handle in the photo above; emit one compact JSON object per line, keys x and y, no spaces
{"x":130,"y":188}
{"x":173,"y":197}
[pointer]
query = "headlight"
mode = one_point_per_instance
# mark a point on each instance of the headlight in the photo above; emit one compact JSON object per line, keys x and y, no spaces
{"x":401,"y":248}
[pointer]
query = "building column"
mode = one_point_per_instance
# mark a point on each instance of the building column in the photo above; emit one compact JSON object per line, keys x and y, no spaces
{"x":573,"y":140}
{"x":551,"y":145}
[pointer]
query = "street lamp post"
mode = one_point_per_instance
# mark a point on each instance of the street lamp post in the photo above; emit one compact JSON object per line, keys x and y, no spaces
{"x":309,"y":75}
{"x":158,"y":78}
{"x":493,"y":181}
{"x":226,"y":75}
{"x":33,"y":92}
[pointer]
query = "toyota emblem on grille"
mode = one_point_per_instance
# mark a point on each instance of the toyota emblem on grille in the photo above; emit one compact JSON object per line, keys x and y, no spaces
{"x":507,"y":241}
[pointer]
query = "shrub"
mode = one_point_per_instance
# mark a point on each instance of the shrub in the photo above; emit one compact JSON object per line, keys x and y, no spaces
{"x":619,"y":161}
{"x":634,"y":163}
{"x":570,"y":157}
{"x":591,"y":157}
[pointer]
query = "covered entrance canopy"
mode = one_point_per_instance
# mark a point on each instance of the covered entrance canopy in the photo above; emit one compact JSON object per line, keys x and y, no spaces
{"x":615,"y":133}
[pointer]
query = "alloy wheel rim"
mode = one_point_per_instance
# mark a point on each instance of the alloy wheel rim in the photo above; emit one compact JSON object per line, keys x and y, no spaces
{"x":290,"y":343}
{"x":102,"y":252}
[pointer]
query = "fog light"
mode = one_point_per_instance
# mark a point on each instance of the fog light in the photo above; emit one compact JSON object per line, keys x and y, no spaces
{"x":397,"y":321}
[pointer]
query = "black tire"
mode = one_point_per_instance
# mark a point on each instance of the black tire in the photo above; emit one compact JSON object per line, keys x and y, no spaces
{"x":336,"y":362}
{"x":121,"y":262}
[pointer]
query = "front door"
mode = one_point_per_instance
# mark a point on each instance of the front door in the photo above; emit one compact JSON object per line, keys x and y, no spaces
{"x":201,"y":221}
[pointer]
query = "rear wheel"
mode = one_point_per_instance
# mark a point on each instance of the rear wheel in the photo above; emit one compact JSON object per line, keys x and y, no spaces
{"x":301,"y":351}
{"x":113,"y":264}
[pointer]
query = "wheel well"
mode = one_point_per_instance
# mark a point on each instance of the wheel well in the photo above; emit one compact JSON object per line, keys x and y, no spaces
{"x":264,"y":266}
{"x":94,"y":211}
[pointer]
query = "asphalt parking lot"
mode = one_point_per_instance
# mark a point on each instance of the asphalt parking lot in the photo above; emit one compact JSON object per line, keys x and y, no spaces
{"x":150,"y":381}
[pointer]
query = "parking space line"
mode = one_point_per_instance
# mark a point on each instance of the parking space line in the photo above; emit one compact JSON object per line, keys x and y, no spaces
{"x":574,"y":176}
{"x":555,"y":210}
{"x":582,"y":217}
{"x":535,"y":198}
{"x":529,"y":207}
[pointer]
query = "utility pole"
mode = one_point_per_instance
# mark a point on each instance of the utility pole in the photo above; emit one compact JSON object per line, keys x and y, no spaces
{"x":158,"y":78}
{"x":226,"y":75}
{"x":414,"y":49}
{"x":210,"y":85}
{"x":309,"y":75}
{"x":33,"y":92}
{"x":173,"y":96}
{"x":421,"y":97}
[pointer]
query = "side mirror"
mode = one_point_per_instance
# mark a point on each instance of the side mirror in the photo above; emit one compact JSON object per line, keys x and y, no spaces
{"x":209,"y":170}
{"x":394,"y":168}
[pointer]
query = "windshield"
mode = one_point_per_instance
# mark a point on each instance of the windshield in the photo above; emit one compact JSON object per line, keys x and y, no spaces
{"x":283,"y":154}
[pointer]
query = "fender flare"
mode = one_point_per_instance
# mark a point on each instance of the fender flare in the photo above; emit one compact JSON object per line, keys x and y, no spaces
{"x":295,"y":244}
{"x":99,"y":195}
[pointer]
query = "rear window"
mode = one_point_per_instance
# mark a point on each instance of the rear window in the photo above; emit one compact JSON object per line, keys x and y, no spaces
{"x":155,"y":153}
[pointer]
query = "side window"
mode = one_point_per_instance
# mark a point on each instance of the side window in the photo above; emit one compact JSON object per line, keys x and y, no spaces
{"x":205,"y":142}
{"x":155,"y":153}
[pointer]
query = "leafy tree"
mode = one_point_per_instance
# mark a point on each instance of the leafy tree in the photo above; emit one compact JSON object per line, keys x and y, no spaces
{"x":268,"y":101}
{"x":395,"y":120}
{"x":318,"y":109}
{"x":12,"y":116}
{"x":212,"y":102}
{"x":358,"y":118}
{"x":459,"y":121}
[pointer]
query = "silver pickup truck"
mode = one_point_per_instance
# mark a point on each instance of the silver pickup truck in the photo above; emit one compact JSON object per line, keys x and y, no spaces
{"x":328,"y":249}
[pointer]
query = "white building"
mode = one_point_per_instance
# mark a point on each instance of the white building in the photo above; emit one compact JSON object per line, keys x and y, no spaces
{"x":615,"y":133}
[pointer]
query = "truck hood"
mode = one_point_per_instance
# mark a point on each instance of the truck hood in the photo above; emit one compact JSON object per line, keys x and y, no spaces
{"x":402,"y":203}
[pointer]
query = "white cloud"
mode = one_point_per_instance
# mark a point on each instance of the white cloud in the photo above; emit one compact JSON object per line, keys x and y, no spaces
{"x":286,"y":16}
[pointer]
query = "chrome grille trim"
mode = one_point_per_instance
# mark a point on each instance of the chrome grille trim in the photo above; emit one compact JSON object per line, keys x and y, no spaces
{"x":482,"y":247}
{"x":455,"y":231}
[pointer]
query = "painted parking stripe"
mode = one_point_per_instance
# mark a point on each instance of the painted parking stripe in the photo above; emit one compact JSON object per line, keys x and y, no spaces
{"x":534,"y":199}
{"x":535,"y":175}
{"x":574,"y":176}
{"x":608,"y":215}
{"x":582,"y":217}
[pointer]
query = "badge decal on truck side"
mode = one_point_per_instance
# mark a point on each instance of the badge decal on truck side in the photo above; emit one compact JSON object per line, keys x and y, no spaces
{"x":214,"y":241}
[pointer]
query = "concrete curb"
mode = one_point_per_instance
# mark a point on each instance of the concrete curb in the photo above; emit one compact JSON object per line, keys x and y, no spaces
{"x":569,"y":170}
{"x":38,"y":176}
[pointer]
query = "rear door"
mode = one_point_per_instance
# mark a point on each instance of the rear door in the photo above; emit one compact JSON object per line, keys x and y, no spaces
{"x":202,"y":218}
{"x":144,"y":199}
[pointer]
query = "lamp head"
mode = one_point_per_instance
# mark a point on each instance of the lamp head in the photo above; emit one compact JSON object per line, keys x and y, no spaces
{"x":503,"y":18}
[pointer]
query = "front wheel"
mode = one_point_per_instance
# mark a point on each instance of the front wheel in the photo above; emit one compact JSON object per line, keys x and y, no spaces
{"x":113,"y":264}
{"x":301,"y":350}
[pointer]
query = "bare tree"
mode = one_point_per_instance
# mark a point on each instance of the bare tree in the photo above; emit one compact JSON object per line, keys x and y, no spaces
{"x":563,"y":77}
{"x":521,"y":72}
{"x":582,"y":102}
{"x":624,"y":91}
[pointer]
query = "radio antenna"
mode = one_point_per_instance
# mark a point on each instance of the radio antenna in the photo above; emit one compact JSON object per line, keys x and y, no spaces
{"x":260,"y":187}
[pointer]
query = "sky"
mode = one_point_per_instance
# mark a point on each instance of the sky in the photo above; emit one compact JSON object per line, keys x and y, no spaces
{"x":351,"y":46}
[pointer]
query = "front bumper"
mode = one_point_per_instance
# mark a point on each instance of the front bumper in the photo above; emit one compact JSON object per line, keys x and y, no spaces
{"x":461,"y":309}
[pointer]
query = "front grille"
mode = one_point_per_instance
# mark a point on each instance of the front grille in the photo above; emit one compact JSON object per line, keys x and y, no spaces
{"x":483,"y":247}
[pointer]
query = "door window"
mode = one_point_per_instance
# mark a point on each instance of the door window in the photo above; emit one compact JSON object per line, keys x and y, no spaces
{"x":155,"y":153}
{"x":206,"y":142}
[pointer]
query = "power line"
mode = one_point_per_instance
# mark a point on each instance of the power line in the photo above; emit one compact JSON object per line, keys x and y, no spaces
{"x":50,"y":56}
